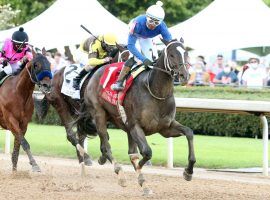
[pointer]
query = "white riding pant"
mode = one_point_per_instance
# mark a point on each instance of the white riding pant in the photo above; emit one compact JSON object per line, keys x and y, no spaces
{"x":147,"y":48}
{"x":10,"y":68}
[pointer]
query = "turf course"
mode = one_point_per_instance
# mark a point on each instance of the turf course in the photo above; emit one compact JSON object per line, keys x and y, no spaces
{"x":211,"y":152}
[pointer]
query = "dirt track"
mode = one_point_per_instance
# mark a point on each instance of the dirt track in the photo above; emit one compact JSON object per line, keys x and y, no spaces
{"x":60,"y":179}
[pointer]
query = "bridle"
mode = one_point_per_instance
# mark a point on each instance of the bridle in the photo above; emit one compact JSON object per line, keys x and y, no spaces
{"x":37,"y":82}
{"x":167,"y":63}
{"x":168,"y":69}
{"x":120,"y":55}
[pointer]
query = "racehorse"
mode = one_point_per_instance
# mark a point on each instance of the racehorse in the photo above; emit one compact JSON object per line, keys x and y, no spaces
{"x":16,"y":102}
{"x":68,"y":108}
{"x":150,"y":108}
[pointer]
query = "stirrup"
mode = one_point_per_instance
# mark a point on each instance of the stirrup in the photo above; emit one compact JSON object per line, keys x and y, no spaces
{"x":118,"y":86}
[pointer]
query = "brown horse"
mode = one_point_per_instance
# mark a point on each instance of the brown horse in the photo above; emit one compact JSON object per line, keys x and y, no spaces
{"x":150,"y":109}
{"x":16,"y":102}
{"x":68,"y":109}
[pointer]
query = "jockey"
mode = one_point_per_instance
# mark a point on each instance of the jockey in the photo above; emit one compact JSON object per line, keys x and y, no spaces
{"x":143,"y":28}
{"x":15,"y":53}
{"x":100,"y":50}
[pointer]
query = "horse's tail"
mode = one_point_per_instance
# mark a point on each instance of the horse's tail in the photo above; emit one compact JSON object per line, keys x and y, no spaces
{"x":84,"y":123}
{"x":41,"y":104}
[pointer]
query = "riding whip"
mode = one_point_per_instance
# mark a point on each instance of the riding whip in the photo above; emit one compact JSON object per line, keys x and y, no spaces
{"x":89,"y":32}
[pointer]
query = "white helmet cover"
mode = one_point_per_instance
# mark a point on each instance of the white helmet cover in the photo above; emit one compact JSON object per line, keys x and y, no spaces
{"x":156,"y":11}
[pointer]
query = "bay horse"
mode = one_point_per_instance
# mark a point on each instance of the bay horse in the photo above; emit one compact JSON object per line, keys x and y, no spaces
{"x":150,"y":108}
{"x":68,"y":109}
{"x":16,"y":102}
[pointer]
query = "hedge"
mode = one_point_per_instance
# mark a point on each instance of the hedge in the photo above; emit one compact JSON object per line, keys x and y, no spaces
{"x":205,"y":123}
{"x":202,"y":123}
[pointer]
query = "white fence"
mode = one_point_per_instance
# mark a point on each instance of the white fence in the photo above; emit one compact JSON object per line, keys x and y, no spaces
{"x":258,"y":108}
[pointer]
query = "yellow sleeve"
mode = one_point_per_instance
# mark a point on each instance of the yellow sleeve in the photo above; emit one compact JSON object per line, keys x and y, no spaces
{"x":95,"y":61}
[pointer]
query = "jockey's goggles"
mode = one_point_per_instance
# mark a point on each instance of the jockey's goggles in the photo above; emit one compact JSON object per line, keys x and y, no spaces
{"x":153,"y":21}
{"x":19,"y":45}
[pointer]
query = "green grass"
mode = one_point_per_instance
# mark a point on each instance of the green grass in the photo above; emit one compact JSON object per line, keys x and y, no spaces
{"x":211,"y":152}
{"x":223,"y":93}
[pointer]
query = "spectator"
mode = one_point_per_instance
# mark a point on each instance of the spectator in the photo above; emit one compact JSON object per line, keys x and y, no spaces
{"x":254,"y":76}
{"x":58,"y":62}
{"x":198,"y":75}
{"x":216,"y":68}
{"x":226,"y":77}
{"x":202,"y":59}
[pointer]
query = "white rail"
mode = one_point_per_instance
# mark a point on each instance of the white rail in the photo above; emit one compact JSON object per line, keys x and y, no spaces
{"x":258,"y":108}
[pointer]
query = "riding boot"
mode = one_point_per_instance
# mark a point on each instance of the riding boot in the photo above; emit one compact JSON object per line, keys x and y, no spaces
{"x":78,"y":78}
{"x":2,"y":74}
{"x":118,"y":86}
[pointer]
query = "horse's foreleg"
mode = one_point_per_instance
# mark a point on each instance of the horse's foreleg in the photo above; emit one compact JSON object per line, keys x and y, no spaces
{"x":176,"y":130}
{"x":26,"y":148}
{"x":86,"y":158}
{"x":105,"y":147}
{"x":145,"y":150}
{"x":63,"y":110}
{"x":16,"y":151}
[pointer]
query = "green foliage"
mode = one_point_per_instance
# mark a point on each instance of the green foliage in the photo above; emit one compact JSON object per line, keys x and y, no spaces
{"x":176,"y":10}
{"x":29,"y":8}
{"x":207,"y":123}
{"x":7,"y":16}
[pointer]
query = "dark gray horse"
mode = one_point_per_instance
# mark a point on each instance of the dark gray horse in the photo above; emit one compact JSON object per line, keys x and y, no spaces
{"x":150,"y":109}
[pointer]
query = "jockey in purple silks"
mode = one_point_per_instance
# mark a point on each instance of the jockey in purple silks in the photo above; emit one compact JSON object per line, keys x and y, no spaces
{"x":15,"y":53}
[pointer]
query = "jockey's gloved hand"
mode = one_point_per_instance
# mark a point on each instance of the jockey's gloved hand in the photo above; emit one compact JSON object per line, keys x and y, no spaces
{"x":147,"y":62}
{"x":5,"y":63}
{"x":107,"y":59}
{"x":25,"y":60}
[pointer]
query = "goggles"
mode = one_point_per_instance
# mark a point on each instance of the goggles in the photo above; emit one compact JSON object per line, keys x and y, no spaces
{"x":153,"y":21}
{"x":19,"y":45}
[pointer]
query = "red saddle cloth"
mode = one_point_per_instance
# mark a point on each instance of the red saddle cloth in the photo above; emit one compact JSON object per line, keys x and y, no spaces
{"x":108,"y":78}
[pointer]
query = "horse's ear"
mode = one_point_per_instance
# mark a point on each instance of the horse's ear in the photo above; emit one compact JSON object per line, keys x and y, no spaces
{"x":34,"y":53}
{"x":120,"y":47}
{"x":164,"y":41}
{"x":43,"y":51}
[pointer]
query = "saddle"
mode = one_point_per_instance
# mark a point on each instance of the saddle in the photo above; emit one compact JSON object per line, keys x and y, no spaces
{"x":110,"y":76}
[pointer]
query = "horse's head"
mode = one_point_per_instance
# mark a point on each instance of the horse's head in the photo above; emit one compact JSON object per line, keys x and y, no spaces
{"x":40,"y":71}
{"x":176,"y":59}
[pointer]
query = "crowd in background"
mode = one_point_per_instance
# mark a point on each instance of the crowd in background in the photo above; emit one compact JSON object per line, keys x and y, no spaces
{"x":252,"y":74}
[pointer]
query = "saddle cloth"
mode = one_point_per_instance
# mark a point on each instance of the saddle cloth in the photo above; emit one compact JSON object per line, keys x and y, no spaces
{"x":110,"y":76}
{"x":71,"y":72}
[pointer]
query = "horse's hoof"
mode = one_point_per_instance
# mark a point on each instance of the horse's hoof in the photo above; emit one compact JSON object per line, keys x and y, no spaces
{"x":147,"y":191}
{"x":88,"y":162}
{"x":102,"y":160}
{"x":122,"y":182}
{"x":35,"y":168}
{"x":187,"y":176}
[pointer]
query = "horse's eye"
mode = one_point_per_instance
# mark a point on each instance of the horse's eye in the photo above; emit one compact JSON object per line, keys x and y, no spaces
{"x":171,"y":55}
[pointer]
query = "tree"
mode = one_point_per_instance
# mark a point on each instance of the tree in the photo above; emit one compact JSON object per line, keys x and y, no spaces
{"x":29,"y":8}
{"x":176,"y":10}
{"x":7,"y":16}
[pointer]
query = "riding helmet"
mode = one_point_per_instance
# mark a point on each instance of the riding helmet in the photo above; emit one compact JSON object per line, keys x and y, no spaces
{"x":156,"y":11}
{"x":20,"y":36}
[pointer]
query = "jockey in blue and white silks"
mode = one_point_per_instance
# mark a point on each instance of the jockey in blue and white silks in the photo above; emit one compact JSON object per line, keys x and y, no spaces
{"x":141,"y":31}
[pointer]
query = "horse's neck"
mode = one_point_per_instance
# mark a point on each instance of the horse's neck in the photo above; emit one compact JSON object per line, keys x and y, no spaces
{"x":24,"y":84}
{"x":161,"y":83}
